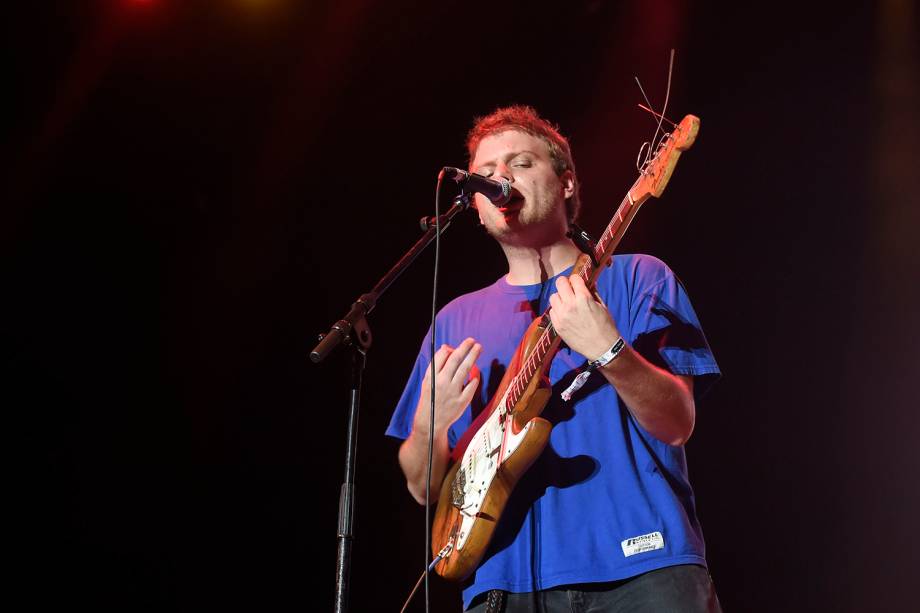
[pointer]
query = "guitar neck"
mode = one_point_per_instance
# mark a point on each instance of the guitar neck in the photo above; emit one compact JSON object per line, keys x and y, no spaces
{"x":610,"y":239}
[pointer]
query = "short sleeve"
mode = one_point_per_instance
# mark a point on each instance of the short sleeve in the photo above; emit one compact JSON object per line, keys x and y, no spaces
{"x":664,"y":327}
{"x":401,"y":421}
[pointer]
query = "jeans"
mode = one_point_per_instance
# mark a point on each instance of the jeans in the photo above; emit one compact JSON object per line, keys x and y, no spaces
{"x":675,"y":589}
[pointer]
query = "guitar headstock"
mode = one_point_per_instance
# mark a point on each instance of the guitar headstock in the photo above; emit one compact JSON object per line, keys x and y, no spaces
{"x":656,"y":174}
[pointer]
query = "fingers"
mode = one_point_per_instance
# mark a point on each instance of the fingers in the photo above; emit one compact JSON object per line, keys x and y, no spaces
{"x":460,"y":360}
{"x":564,"y":289}
{"x":474,"y":372}
{"x":466,"y":396}
{"x":554,"y":302}
{"x":441,"y":356}
{"x":451,"y":363}
{"x":466,"y":367}
{"x":580,"y":288}
{"x":456,"y":382}
{"x":574,"y":288}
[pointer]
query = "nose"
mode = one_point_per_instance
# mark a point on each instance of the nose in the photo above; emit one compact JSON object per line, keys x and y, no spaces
{"x":502,"y":170}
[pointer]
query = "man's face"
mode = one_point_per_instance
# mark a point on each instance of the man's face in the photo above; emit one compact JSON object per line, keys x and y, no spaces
{"x":536,"y":215}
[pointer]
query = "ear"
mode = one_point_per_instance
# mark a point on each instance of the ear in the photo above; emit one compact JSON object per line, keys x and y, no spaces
{"x":568,"y":184}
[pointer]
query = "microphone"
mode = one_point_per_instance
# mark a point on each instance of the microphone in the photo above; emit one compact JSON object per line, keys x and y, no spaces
{"x":499,"y":192}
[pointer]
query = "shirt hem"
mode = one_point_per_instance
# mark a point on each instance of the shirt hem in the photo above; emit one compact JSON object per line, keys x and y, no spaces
{"x":582,"y":577}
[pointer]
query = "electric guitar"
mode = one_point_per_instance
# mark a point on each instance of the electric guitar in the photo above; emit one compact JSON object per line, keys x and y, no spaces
{"x":508,"y":436}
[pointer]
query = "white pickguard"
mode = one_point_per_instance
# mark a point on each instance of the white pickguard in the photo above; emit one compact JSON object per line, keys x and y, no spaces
{"x":493,"y":444}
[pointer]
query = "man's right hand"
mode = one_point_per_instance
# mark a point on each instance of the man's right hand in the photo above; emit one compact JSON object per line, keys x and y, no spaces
{"x":455,"y":383}
{"x":455,"y":380}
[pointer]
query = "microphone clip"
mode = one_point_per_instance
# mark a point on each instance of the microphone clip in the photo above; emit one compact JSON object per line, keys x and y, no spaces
{"x":462,"y":201}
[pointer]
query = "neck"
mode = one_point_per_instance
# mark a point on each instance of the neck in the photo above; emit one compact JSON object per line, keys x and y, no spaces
{"x":529,"y":265}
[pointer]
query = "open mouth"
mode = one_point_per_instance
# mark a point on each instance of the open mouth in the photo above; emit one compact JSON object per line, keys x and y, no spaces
{"x":512,"y":206}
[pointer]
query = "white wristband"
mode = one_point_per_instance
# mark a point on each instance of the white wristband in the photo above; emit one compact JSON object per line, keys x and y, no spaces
{"x":579,"y":381}
{"x":609,"y":356}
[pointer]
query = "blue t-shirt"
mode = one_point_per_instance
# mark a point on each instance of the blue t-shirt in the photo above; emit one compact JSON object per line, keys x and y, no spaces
{"x":606,"y":500}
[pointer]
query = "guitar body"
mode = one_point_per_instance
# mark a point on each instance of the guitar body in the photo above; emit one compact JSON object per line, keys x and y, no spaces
{"x":477,"y":487}
{"x":448,"y":521}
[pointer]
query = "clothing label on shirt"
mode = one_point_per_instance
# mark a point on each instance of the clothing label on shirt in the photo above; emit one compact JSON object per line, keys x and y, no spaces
{"x":643,"y":543}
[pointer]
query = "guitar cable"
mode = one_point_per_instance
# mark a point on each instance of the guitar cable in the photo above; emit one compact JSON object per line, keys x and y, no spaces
{"x":434,"y":305}
{"x":432,"y":347}
{"x":431,"y":350}
{"x":419,"y":582}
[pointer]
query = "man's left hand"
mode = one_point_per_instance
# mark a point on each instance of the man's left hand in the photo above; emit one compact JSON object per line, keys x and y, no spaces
{"x":581,"y":319}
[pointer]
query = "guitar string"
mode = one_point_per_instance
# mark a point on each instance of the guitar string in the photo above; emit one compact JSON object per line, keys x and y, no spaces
{"x":651,"y":147}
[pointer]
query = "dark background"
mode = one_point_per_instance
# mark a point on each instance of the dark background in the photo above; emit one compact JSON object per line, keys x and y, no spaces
{"x":194,"y":190}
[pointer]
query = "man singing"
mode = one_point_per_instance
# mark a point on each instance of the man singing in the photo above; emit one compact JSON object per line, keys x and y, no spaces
{"x":605,"y":519}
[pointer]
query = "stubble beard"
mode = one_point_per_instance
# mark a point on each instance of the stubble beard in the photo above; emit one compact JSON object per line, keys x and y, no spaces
{"x":532,"y":226}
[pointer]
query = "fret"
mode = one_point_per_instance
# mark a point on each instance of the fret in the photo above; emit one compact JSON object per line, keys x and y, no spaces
{"x":530,"y":367}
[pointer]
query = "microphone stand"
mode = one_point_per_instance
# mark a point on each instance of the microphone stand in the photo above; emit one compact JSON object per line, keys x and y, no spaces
{"x":353,"y":331}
